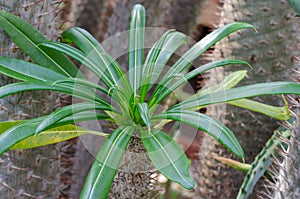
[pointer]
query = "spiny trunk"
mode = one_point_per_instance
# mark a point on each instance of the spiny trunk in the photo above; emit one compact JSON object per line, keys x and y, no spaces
{"x":136,"y":177}
{"x":288,"y":177}
{"x":271,"y":53}
{"x":33,"y":173}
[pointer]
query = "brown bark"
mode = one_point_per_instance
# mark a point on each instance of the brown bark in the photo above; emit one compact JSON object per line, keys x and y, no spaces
{"x":288,"y":173}
{"x":33,"y":173}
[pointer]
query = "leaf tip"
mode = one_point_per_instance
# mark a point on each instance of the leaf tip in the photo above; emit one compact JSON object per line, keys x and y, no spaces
{"x":188,"y":183}
{"x":139,"y":7}
{"x":191,"y":184}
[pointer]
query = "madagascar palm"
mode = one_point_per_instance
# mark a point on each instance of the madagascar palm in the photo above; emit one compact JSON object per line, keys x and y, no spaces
{"x":135,"y":114}
{"x":112,"y":18}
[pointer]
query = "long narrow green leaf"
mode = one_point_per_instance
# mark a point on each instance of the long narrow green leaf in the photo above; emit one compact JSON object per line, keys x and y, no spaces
{"x":23,"y":70}
{"x":165,"y":88}
{"x":203,"y":45}
{"x":230,"y":81}
{"x":92,"y":48}
{"x":4,"y":126}
{"x":136,"y":46}
{"x":82,"y":82}
{"x":280,"y":113}
{"x":83,"y":85}
{"x":66,"y":111}
{"x":168,"y":157}
{"x":205,"y":123}
{"x":54,"y":135}
{"x":144,"y":113}
{"x":83,"y":39}
{"x":78,"y":91}
{"x":25,"y":86}
{"x":105,"y":166}
{"x":116,"y":94}
{"x":18,"y":133}
{"x":98,"y":69}
{"x":28,"y":38}
{"x":83,"y":116}
{"x":21,"y":134}
{"x":271,"y":88}
{"x":157,"y":58}
{"x":78,"y":117}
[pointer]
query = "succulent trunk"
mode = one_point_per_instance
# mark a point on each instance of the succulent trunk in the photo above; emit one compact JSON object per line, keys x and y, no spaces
{"x":271,"y":51}
{"x":136,"y":177}
{"x":288,"y":175}
{"x":33,"y":173}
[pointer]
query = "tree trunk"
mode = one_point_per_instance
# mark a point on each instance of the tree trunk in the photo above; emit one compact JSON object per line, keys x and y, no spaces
{"x":271,"y":53}
{"x":33,"y":173}
{"x":288,"y":175}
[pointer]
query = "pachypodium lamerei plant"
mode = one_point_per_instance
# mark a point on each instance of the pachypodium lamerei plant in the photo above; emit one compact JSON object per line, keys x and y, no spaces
{"x":131,"y":109}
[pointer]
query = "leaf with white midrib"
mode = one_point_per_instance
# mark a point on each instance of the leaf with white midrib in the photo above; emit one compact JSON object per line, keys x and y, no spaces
{"x":161,"y":148}
{"x":254,"y":90}
{"x":89,"y":45}
{"x":195,"y":51}
{"x":66,"y":111}
{"x":83,"y":39}
{"x":12,"y":136}
{"x":203,"y":122}
{"x":29,"y":44}
{"x":64,"y":88}
{"x":106,"y":164}
{"x":76,"y":54}
{"x":136,"y":46}
{"x":27,"y":71}
{"x":157,"y":58}
{"x":54,"y":135}
{"x":169,"y":86}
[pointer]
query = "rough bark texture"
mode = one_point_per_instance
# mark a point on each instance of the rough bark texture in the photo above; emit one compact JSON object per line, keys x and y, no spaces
{"x":30,"y":173}
{"x":271,"y":53}
{"x":288,"y":175}
{"x":72,"y":10}
{"x":136,"y":177}
{"x":288,"y":184}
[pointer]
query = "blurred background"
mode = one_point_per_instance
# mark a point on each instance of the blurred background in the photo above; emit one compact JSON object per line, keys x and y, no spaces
{"x":58,"y":171}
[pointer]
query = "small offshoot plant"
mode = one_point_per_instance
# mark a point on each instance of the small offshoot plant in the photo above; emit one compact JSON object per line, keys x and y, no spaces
{"x":127,"y":102}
